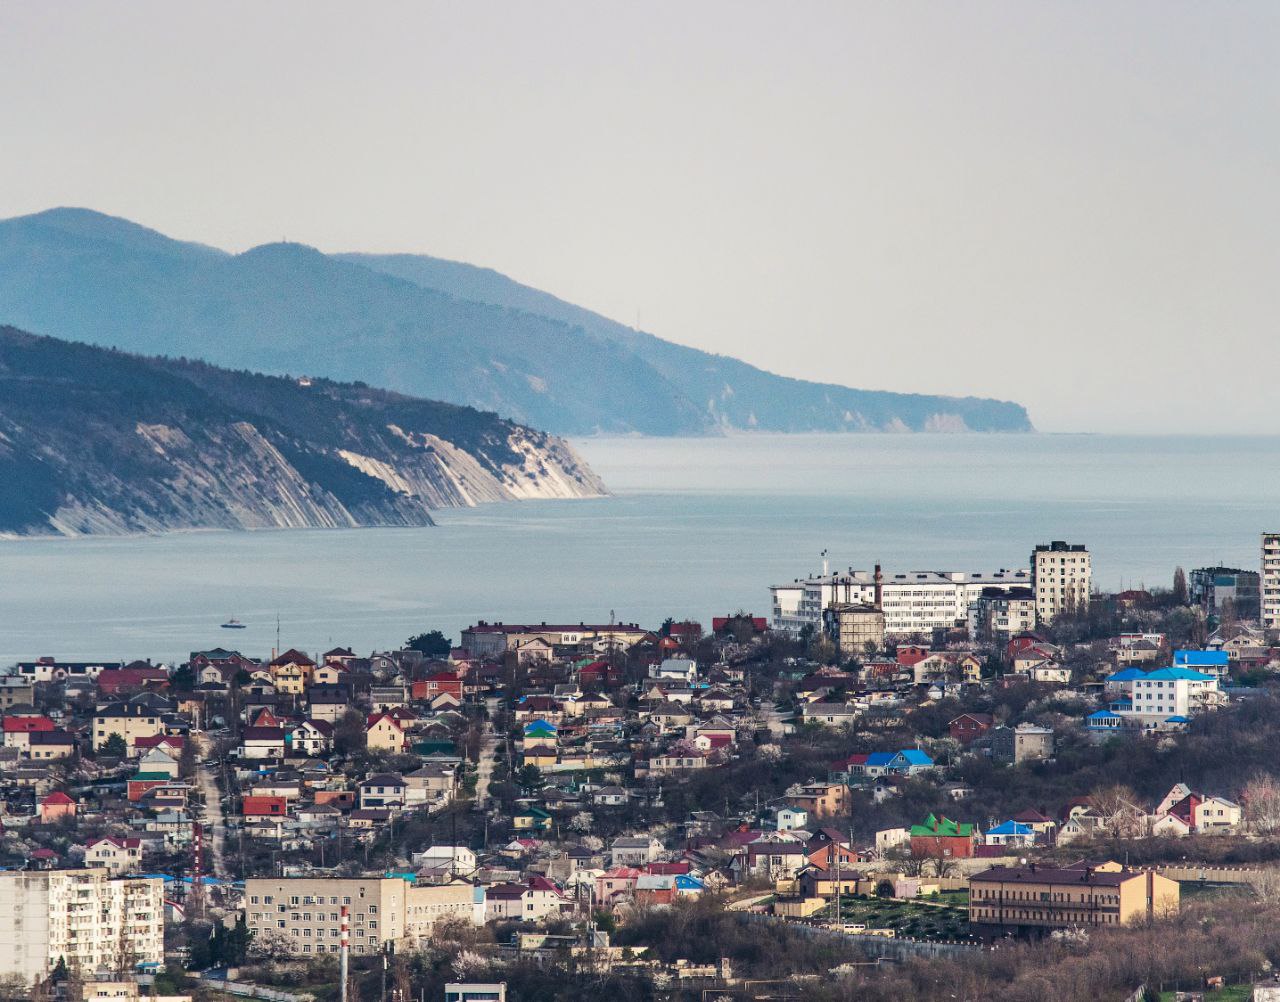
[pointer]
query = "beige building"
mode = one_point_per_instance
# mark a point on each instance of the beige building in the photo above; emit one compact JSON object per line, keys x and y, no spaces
{"x":1271,"y":580}
{"x":1061,"y":578}
{"x":130,"y":721}
{"x":95,"y":921}
{"x":852,"y":626}
{"x":305,"y":912}
{"x":1034,"y":900}
{"x":495,"y":639}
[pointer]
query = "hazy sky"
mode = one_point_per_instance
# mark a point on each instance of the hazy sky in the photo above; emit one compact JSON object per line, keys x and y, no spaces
{"x":1074,"y":205}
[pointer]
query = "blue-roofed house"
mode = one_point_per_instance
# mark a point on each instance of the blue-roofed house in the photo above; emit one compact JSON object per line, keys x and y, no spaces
{"x":1209,"y":662}
{"x":1012,"y":833}
{"x":1122,"y":681}
{"x":1103,"y":722}
{"x":910,"y":762}
{"x":878,"y":763}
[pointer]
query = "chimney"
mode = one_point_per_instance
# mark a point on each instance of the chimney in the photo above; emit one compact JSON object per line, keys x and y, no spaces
{"x":879,"y":580}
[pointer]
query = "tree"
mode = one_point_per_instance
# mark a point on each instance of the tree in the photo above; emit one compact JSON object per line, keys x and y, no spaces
{"x":581,"y":822}
{"x":350,"y":735}
{"x":1179,"y":586}
{"x":272,"y":945}
{"x":115,"y":746}
{"x":530,"y":779}
{"x":433,"y":644}
{"x":1260,"y":799}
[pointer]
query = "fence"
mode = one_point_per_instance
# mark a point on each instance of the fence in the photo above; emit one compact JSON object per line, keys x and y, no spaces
{"x":876,"y":946}
{"x":247,"y":989}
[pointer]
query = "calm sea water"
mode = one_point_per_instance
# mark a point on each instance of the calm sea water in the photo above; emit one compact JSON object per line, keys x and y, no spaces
{"x":697,"y":527}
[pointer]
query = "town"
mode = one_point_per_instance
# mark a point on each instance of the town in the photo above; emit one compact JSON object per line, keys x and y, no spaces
{"x":1005,"y":781}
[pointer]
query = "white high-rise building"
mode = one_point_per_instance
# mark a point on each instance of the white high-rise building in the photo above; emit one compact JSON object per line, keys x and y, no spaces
{"x":915,"y":602}
{"x":1271,"y":580}
{"x":1061,"y":577}
{"x":94,"y":921}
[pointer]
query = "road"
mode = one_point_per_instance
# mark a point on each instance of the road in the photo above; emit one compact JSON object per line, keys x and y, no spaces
{"x":484,"y":768}
{"x":215,"y":824}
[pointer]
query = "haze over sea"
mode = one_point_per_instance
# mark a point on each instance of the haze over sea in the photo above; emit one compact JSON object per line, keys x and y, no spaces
{"x":697,"y":527}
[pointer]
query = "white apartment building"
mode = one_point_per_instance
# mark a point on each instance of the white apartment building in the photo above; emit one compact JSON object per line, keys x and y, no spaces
{"x":95,"y":921}
{"x":305,"y":912}
{"x":915,"y":602}
{"x":1271,"y":580}
{"x":1061,"y":577}
{"x":1155,"y":697}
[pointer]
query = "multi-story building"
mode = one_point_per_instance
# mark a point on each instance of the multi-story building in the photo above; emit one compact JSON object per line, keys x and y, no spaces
{"x":90,"y":919}
{"x":1210,"y":587}
{"x":304,"y":913}
{"x":914,"y":603}
{"x":495,"y":639}
{"x":1157,"y":696}
{"x":130,"y":720}
{"x":1034,"y":900}
{"x":1002,"y":613}
{"x":1022,"y":743}
{"x":1061,"y":578}
{"x":1270,"y":582}
{"x":854,"y":628}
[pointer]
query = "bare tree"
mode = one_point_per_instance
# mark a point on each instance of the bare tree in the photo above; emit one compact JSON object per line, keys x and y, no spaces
{"x":1260,"y":799}
{"x":1180,"y":586}
{"x":1116,"y":807}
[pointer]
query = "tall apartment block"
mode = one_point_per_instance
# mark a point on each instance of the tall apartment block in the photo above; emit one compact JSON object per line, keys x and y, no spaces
{"x":1271,"y":580}
{"x":92,"y":920}
{"x":1061,"y":578}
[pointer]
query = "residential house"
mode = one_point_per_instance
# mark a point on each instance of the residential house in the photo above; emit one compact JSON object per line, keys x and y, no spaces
{"x":969,"y":726}
{"x":117,"y":855}
{"x":942,"y":838}
{"x":383,"y":732}
{"x":634,"y":851}
{"x":385,"y":789}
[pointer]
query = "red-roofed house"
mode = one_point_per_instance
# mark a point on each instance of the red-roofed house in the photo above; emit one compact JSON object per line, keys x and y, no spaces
{"x":433,"y":685}
{"x":970,"y":726}
{"x":264,"y":807}
{"x":119,"y":681}
{"x":617,"y":882}
{"x":57,"y":806}
{"x":712,"y":742}
{"x":17,"y":729}
{"x":118,"y":855}
{"x":384,"y":733}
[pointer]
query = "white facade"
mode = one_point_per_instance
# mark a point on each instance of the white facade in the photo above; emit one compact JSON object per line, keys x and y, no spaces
{"x":94,"y":921}
{"x":1062,"y":577}
{"x":1271,"y":580}
{"x":915,"y":602}
{"x":1168,"y":692}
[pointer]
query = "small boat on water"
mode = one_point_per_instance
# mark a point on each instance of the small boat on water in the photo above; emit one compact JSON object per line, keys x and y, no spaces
{"x":233,"y":624}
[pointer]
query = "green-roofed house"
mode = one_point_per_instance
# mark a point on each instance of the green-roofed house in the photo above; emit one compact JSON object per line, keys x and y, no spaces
{"x":535,"y":819}
{"x":942,"y":838}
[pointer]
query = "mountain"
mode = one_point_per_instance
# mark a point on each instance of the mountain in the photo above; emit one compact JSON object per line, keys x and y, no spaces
{"x":422,"y":326}
{"x":94,"y":440}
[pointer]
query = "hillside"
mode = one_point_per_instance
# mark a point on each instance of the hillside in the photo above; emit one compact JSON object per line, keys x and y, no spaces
{"x":418,"y":325}
{"x":99,"y":441}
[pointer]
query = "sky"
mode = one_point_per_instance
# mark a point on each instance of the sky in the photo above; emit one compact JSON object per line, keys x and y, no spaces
{"x":1069,"y":204}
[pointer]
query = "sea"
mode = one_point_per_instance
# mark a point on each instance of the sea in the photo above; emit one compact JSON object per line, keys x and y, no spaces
{"x":694,"y":528}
